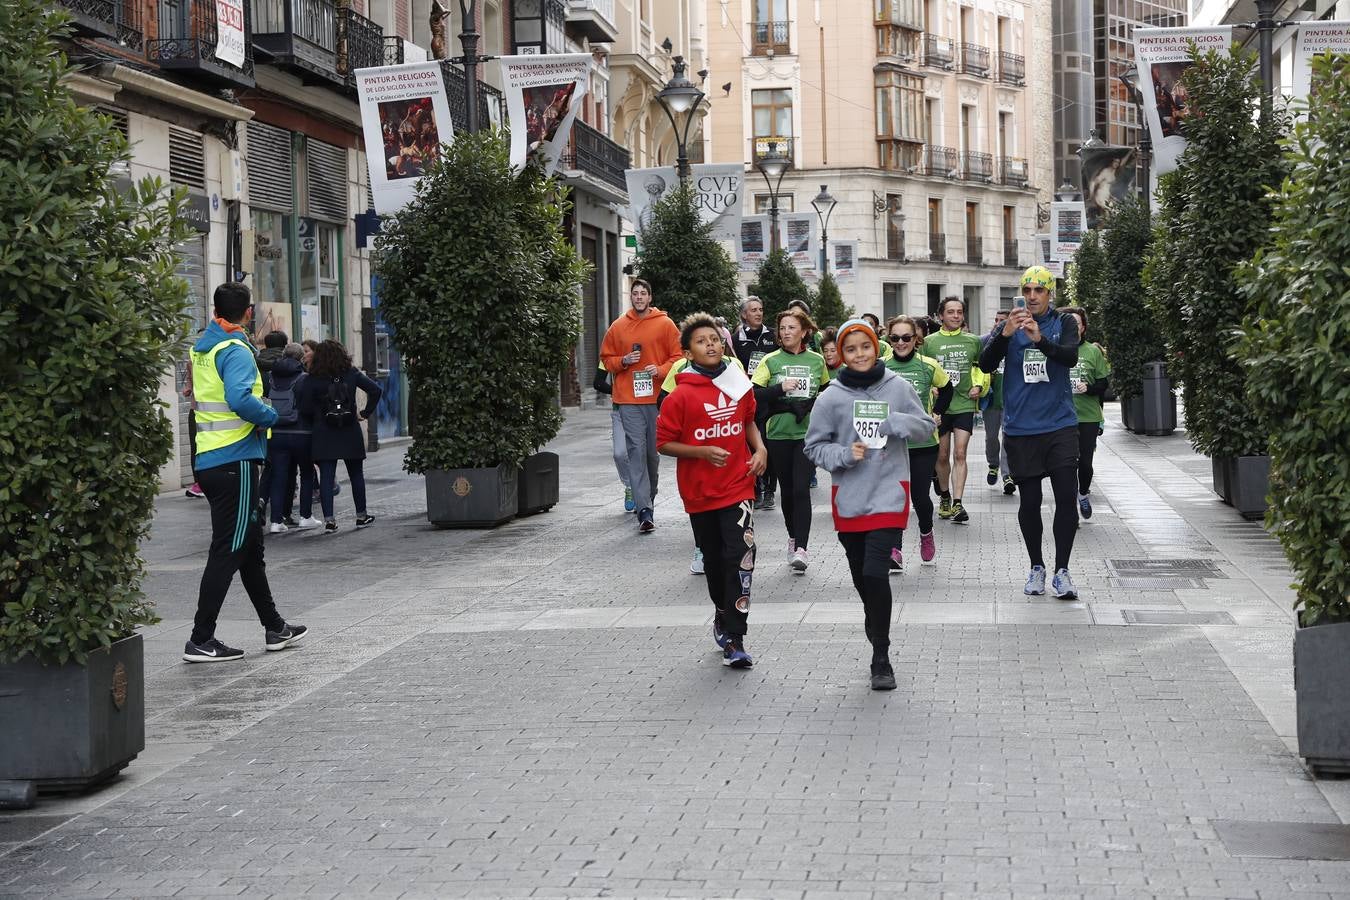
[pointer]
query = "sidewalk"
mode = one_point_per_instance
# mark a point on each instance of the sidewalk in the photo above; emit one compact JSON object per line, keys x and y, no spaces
{"x":539,"y":711}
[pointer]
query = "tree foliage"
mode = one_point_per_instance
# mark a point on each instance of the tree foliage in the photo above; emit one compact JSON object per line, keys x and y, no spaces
{"x":1220,"y":216}
{"x":827,"y":304}
{"x":91,"y":318}
{"x":1294,"y":351}
{"x":777,"y":283}
{"x":1127,"y":327}
{"x":1086,"y":280}
{"x":477,"y":260}
{"x":689,"y":271}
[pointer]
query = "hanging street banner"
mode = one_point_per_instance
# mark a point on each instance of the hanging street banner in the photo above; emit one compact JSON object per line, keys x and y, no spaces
{"x":843,"y":257}
{"x":1108,"y":177}
{"x":798,"y":238}
{"x":1312,"y":39}
{"x":1044,"y":257}
{"x":230,"y":32}
{"x":1162,"y":56}
{"x":543,"y":97}
{"x":752,"y":244}
{"x":717,"y":188}
{"x":1066,"y":229}
{"x":405,"y":119}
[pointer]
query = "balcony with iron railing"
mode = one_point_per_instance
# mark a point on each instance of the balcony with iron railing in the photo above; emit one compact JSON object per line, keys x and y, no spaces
{"x":938,"y":52}
{"x":759,"y":148}
{"x":360,"y":44}
{"x":1011,"y":255}
{"x":940,"y":161}
{"x":189,"y":38}
{"x":300,"y":35}
{"x":1012,"y":171}
{"x":593,"y":20}
{"x":937,"y":247}
{"x":593,"y":154}
{"x":393,"y":50}
{"x":770,"y":38}
{"x":491,"y":104}
{"x":975,"y":60}
{"x":1012,"y":69}
{"x":976,"y":166}
{"x":974,"y":250}
{"x":122,"y":21}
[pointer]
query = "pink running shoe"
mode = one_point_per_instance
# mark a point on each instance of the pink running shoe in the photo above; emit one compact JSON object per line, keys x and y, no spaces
{"x":897,"y":560}
{"x":195,"y":490}
{"x":927,"y":547}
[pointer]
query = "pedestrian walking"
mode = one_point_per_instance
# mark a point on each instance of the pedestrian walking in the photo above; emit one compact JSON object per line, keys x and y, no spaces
{"x":288,"y":451}
{"x":1040,"y":425}
{"x":232,"y":423}
{"x":195,"y":489}
{"x":638,"y":350}
{"x":328,"y":400}
{"x":1089,"y":380}
{"x":859,"y":432}
{"x":708,"y":425}
{"x":786,"y":385}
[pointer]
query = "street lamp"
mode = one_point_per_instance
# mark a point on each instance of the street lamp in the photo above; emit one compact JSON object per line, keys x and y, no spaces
{"x":1130,"y":78}
{"x":680,"y":98}
{"x":772,"y":165}
{"x":824,"y":205}
{"x":1067,"y":193}
{"x":468,"y":39}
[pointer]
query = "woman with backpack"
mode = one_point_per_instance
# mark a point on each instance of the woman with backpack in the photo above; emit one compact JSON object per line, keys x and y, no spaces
{"x":328,"y":399}
{"x":289,"y":446}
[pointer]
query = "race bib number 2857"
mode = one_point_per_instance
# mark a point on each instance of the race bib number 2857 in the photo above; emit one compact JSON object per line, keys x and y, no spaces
{"x":867,"y":418}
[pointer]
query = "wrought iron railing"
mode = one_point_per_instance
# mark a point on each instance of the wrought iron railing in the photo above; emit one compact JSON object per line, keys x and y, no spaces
{"x":766,"y":36}
{"x":393,"y":50}
{"x":1012,"y":69}
{"x":975,"y":60}
{"x":937,"y":247}
{"x":940,"y":161}
{"x":314,"y":21}
{"x":974,"y":249}
{"x":360,"y":42}
{"x":490,"y":101}
{"x":938,"y":52}
{"x":591,"y":152}
{"x":976,"y":166}
{"x":192,"y":42}
{"x":1012,"y":171}
{"x":759,"y":148}
{"x":1010,"y":254}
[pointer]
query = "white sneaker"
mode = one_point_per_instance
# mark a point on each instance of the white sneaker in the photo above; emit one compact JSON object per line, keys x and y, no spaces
{"x":696,"y":567}
{"x":276,"y":528}
{"x":308,"y":522}
{"x":799,"y":560}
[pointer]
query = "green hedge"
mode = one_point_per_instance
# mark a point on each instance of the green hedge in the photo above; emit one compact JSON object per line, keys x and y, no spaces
{"x":1086,"y":279}
{"x":1296,"y":352}
{"x":1128,"y":329}
{"x":689,"y":271}
{"x":91,"y":319}
{"x":777,"y":283}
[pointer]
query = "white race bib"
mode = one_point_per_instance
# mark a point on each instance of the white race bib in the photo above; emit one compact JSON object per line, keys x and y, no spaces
{"x":1033,"y":366}
{"x":755,"y":359}
{"x":802,"y":374}
{"x":867,"y":418}
{"x":953,"y":376}
{"x":643,"y":385}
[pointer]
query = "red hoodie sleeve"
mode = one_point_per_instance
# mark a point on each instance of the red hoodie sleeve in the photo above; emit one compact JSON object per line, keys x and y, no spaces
{"x":670,"y":421}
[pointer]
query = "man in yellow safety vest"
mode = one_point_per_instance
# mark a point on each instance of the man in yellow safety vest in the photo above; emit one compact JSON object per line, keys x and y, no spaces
{"x":232,"y":426}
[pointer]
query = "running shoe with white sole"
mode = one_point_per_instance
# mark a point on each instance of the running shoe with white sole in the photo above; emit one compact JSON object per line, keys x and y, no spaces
{"x":1085,"y":506}
{"x":308,"y":522}
{"x":959,"y":514}
{"x":696,"y":566}
{"x":195,"y":490}
{"x":945,"y":508}
{"x":330,"y":527}
{"x":209,"y":651}
{"x":364,"y":521}
{"x":288,"y":636}
{"x":1009,"y":486}
{"x":897,"y":561}
{"x":799,"y":562}
{"x":734,"y":655}
{"x":927,"y":547}
{"x":1035,"y":582}
{"x":1062,"y":585}
{"x":720,"y":636}
{"x":628,"y":504}
{"x":277,"y":528}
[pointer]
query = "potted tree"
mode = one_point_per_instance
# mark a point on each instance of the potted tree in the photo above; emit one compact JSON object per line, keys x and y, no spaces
{"x":480,"y":289}
{"x":778,"y":283}
{"x":92,"y":317}
{"x":1298,"y":376}
{"x":689,"y":271}
{"x":1219,"y":217}
{"x":1129,"y":330}
{"x":827,"y":303}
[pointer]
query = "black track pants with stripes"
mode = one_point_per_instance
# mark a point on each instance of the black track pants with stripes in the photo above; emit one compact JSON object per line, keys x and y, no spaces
{"x":236,"y":546}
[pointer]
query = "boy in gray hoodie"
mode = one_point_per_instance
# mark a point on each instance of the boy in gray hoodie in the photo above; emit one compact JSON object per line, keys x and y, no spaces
{"x":859,"y":433}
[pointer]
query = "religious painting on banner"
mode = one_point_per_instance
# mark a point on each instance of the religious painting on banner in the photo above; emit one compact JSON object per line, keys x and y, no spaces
{"x":717,"y":194}
{"x":543,"y":98}
{"x":1163,"y":55}
{"x":1314,"y":39}
{"x":1108,"y":177}
{"x":405,"y":119}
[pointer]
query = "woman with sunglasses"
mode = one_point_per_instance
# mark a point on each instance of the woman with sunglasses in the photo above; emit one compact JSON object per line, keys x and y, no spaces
{"x":905,"y":336}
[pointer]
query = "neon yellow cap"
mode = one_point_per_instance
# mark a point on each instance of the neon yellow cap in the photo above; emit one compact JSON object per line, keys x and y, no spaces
{"x":1040,"y":276}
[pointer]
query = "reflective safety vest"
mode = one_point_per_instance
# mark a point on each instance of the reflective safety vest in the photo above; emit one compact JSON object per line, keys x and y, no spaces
{"x":217,"y":425}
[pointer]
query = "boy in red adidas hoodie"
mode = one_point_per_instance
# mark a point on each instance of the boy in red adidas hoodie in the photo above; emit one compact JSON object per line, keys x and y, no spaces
{"x":708,"y":425}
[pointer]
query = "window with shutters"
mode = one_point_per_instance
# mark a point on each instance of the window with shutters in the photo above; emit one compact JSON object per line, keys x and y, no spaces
{"x":271,"y":183}
{"x":326,"y":181}
{"x":187,"y":158}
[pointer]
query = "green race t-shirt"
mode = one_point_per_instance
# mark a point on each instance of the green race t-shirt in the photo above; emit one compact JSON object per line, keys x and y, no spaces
{"x":780,"y":365}
{"x":1091,"y":366}
{"x":957,"y":352}
{"x":924,"y":373}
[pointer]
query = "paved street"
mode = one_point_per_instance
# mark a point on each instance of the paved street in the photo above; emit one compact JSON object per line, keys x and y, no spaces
{"x":539,"y":711}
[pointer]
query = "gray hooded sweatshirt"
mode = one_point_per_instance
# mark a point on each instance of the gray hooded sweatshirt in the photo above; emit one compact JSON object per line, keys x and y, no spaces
{"x":872,"y":492}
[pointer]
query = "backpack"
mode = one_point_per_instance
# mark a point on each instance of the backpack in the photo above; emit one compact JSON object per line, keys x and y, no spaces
{"x":283,"y":401}
{"x":339,"y":404}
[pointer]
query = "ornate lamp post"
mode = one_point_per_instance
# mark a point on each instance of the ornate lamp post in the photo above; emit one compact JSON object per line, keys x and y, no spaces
{"x":1130,"y":78}
{"x":824,"y":205}
{"x":772,"y":165}
{"x":680,"y":98}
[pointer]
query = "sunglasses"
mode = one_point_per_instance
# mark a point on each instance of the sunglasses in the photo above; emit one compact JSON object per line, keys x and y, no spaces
{"x":899,"y":338}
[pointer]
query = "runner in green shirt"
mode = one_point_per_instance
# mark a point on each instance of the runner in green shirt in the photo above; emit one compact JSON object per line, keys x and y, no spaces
{"x":787,"y":382}
{"x":957,"y":352}
{"x":1089,"y":379}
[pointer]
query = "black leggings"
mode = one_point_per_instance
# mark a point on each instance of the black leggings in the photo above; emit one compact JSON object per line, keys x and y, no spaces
{"x":922,"y":465}
{"x":727,"y":538}
{"x":1087,"y":446}
{"x":1064,"y":483}
{"x":869,"y":562}
{"x":793,"y":470}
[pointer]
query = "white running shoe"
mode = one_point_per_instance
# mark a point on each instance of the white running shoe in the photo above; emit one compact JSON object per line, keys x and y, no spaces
{"x":696,"y":566}
{"x":799,"y":560}
{"x":276,"y":528}
{"x":308,"y":522}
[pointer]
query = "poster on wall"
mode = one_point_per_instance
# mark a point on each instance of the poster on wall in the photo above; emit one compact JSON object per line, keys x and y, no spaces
{"x":1312,"y":39}
{"x":1163,"y":55}
{"x":843,"y":256}
{"x":1066,"y":229}
{"x":717,"y":189}
{"x":798,"y":236}
{"x":230,"y":32}
{"x":405,"y":119}
{"x":543,"y":97}
{"x":1108,"y":177}
{"x":753,"y":242}
{"x":1044,"y":244}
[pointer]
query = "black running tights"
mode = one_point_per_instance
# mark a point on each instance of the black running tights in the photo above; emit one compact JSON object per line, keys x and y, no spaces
{"x":869,"y":562}
{"x":1087,"y":448}
{"x":922,"y":465}
{"x":1064,"y":484}
{"x":793,"y":470}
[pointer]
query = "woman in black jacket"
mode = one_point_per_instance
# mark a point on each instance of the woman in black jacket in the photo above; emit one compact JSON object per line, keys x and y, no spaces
{"x":328,"y":400}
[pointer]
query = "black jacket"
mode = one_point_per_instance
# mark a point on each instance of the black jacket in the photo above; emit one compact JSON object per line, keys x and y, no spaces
{"x":744,"y":342}
{"x":336,"y":443}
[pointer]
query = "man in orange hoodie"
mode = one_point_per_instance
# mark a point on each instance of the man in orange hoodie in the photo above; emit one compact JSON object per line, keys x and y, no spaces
{"x":639,"y":349}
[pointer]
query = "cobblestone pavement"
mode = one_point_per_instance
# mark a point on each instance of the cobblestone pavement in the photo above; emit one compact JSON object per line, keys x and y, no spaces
{"x":539,"y":711}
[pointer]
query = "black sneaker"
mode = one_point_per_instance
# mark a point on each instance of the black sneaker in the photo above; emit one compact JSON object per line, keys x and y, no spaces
{"x":210,"y":650}
{"x":330,"y":527}
{"x":290,"y":522}
{"x":770,"y":502}
{"x":646,"y":524}
{"x":959,"y":514}
{"x":883,"y":677}
{"x":1009,"y":486}
{"x":364,"y":521}
{"x":991,"y":477}
{"x":288,"y":635}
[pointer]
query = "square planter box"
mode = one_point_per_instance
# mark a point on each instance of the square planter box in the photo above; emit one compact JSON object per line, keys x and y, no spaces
{"x":1248,"y":484}
{"x":472,"y":498}
{"x":1321,"y":679}
{"x":538,"y":490}
{"x":1221,"y":469}
{"x":1154,"y":411}
{"x":81,"y":725}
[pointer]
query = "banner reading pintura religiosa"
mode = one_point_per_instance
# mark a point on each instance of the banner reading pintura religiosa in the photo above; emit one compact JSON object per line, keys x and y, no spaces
{"x":405,"y":119}
{"x":543,"y":98}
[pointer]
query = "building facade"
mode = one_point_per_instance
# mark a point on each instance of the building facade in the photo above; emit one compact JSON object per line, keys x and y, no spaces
{"x":927,"y":120}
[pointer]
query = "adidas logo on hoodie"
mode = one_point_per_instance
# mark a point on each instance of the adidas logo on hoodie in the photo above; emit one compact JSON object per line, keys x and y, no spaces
{"x":719,"y":412}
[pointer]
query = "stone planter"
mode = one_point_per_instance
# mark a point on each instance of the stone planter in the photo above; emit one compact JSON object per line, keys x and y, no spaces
{"x":1321,"y":677}
{"x":538,"y":489}
{"x":472,"y":498}
{"x":1154,"y":410}
{"x":80,"y":724}
{"x":1248,"y":485}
